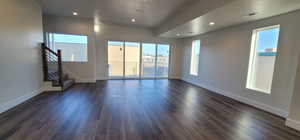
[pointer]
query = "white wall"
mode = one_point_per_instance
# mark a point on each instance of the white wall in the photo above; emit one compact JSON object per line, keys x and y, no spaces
{"x":123,"y":33}
{"x":81,"y":71}
{"x":293,"y":119}
{"x":96,"y":68}
{"x":224,"y":61}
{"x":20,"y":61}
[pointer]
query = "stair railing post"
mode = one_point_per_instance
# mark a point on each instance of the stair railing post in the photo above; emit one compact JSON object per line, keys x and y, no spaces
{"x":60,"y":71}
{"x":45,"y":62}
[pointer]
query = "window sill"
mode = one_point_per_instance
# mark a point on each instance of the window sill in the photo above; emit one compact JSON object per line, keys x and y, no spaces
{"x":74,"y":61}
{"x":194,"y":75}
{"x":259,"y":90}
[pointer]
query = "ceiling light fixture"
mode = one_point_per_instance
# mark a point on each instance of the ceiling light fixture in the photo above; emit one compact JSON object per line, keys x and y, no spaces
{"x":75,"y":13}
{"x":96,"y":28}
{"x":133,"y":20}
{"x":212,"y":23}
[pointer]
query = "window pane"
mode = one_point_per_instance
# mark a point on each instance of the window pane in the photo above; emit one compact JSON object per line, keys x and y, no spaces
{"x":64,"y":38}
{"x":262,"y":59}
{"x":132,"y":59}
{"x":148,"y":60}
{"x":115,"y":59}
{"x":163,"y":52}
{"x":195,"y":57}
{"x":73,"y":47}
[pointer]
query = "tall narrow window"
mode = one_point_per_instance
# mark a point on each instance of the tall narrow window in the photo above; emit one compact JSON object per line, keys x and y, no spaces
{"x":73,"y":47}
{"x":262,"y":58}
{"x":195,"y":57}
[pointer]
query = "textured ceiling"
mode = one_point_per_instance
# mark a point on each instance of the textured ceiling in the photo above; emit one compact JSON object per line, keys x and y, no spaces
{"x":148,"y":13}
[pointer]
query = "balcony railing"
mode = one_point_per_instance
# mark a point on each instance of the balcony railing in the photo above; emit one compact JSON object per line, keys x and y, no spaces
{"x":132,"y":69}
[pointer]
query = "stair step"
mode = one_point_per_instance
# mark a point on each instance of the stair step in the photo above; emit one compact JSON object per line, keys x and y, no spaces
{"x":55,"y":83}
{"x":68,"y":83}
{"x":52,"y":66}
{"x":52,"y":74}
{"x":66,"y":77}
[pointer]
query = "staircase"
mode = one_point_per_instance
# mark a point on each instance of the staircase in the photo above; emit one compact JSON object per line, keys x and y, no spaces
{"x":53,"y":70}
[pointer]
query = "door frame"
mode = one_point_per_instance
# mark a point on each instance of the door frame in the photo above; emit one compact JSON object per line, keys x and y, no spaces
{"x":139,"y":77}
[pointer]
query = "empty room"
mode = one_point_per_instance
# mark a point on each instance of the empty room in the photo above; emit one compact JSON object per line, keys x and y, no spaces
{"x":150,"y":70}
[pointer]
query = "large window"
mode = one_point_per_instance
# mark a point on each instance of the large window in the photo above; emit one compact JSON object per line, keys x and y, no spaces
{"x":138,"y":60}
{"x":73,"y":47}
{"x":262,"y":58}
{"x":195,"y":57}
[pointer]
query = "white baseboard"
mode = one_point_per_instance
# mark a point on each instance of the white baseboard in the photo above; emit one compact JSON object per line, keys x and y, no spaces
{"x":85,"y":81}
{"x":47,"y":86}
{"x":107,"y":78}
{"x":52,"y":88}
{"x":292,"y":124}
{"x":175,"y":77}
{"x":248,"y":101}
{"x":12,"y":103}
{"x":102,"y":78}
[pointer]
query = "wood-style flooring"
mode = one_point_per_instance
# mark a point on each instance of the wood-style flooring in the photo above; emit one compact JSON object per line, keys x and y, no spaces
{"x":140,"y":110}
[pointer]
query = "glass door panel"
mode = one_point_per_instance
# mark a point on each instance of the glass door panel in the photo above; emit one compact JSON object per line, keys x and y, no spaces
{"x":162,"y":66}
{"x":132,"y":60}
{"x":115,"y":59}
{"x":148,"y":60}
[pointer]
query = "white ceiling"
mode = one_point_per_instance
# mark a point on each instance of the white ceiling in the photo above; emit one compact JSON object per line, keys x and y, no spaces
{"x":148,"y":13}
{"x":233,"y":13}
{"x":171,"y":17}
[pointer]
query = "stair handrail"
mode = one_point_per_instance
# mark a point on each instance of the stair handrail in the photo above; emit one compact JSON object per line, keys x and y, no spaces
{"x":60,"y":72}
{"x":45,"y":49}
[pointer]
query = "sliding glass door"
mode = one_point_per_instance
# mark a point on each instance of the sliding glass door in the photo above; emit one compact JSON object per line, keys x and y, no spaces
{"x":115,"y":59}
{"x":138,"y":60}
{"x":132,"y":60}
{"x":162,"y":66}
{"x":148,"y":60}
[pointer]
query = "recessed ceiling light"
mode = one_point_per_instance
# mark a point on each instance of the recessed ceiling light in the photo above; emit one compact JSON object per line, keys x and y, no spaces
{"x":96,"y":28}
{"x":212,"y":23}
{"x":133,"y":20}
{"x":178,"y":34}
{"x":75,"y":13}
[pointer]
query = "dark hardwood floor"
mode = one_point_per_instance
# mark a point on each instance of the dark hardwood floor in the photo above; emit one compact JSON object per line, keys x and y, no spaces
{"x":140,"y":110}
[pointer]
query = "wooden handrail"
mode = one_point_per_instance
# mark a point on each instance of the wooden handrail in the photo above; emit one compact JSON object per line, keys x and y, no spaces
{"x":60,"y":71}
{"x":45,"y":47}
